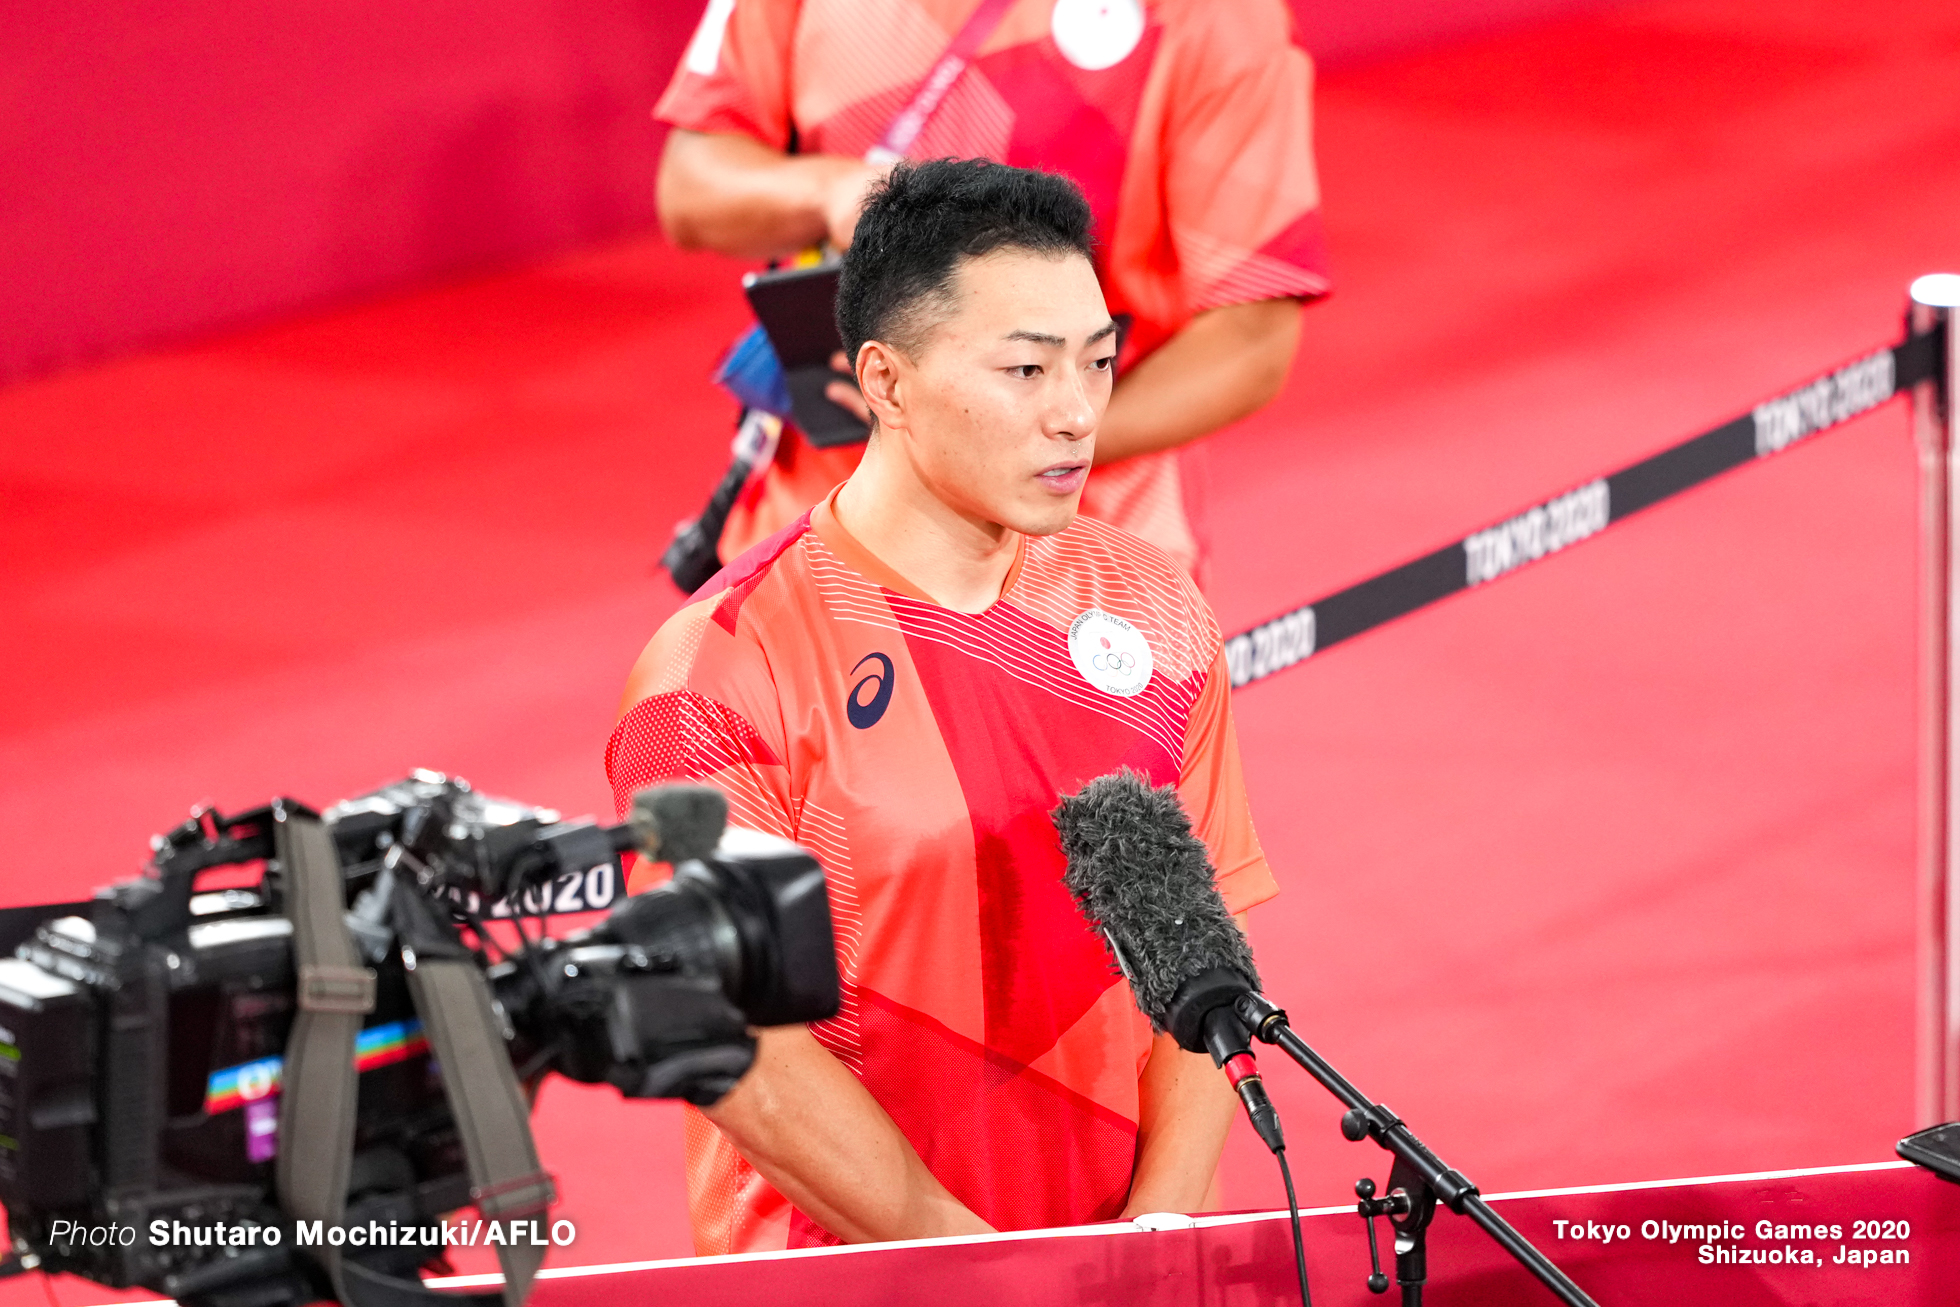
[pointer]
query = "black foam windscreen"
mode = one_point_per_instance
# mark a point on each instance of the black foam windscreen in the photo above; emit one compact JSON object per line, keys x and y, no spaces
{"x":1142,"y":878}
{"x":678,"y":823}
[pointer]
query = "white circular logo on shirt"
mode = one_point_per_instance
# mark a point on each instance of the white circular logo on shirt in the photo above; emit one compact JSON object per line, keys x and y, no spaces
{"x":1096,"y":34}
{"x":1111,"y":654}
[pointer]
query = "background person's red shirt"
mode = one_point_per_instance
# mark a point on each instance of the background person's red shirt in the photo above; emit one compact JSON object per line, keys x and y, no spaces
{"x":1187,"y":123}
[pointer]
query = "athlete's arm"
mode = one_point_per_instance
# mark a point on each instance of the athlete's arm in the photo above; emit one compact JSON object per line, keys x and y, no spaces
{"x":731,"y":193}
{"x":815,"y":1132}
{"x":1185,"y":1109}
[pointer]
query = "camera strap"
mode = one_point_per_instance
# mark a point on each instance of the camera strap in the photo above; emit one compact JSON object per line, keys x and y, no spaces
{"x":320,"y":1088}
{"x":507,"y":1183}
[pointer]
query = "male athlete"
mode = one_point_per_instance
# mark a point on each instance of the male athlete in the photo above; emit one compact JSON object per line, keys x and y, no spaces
{"x":1186,"y":123}
{"x":906,"y":680}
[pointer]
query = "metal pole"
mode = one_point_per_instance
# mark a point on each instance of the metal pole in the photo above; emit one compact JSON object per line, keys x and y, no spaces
{"x":1425,"y":1171}
{"x":1934,"y":301}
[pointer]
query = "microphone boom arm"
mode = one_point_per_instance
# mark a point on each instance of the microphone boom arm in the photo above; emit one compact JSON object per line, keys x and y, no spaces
{"x":1414,"y":1161}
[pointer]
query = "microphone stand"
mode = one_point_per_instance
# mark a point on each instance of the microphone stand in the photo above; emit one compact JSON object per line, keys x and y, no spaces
{"x":1419,"y":1178}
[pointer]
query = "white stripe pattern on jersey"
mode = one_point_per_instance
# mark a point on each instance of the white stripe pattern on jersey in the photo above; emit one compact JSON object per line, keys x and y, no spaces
{"x":1000,"y":637}
{"x":1158,"y":600}
{"x":1061,"y":575}
{"x":822,"y":832}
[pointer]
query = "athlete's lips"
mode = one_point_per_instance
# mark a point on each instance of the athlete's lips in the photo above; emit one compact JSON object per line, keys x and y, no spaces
{"x":1064,"y":478}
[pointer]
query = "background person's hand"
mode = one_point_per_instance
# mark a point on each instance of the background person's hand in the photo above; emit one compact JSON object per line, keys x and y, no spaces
{"x":845,"y":394}
{"x":844,"y":200}
{"x":730,"y":193}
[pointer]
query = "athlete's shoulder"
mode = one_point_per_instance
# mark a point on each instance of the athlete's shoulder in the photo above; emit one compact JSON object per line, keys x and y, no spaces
{"x":1093,"y":543}
{"x":753,"y":563}
{"x":707,"y":638}
{"x":1091,"y":564}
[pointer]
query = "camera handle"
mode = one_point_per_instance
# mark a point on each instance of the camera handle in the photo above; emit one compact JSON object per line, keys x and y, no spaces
{"x":320,"y":1085}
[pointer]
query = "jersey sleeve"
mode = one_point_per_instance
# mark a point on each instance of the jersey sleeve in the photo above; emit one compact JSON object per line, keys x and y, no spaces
{"x":702,"y":707}
{"x":734,"y":75}
{"x":1240,"y":188}
{"x":1212,"y":785}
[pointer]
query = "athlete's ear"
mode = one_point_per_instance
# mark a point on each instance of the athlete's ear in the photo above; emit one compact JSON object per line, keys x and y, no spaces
{"x":878,"y":373}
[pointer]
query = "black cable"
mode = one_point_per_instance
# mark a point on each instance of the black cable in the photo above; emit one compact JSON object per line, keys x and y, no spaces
{"x":1366,"y":1120}
{"x":1293,"y":1210}
{"x":530,"y":956}
{"x":486,"y":942}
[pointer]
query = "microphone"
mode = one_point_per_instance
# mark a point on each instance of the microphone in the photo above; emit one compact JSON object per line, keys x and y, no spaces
{"x":678,"y":823}
{"x":1146,"y":882}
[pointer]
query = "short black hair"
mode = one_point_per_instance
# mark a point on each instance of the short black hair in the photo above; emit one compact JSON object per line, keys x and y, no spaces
{"x":924,"y":218}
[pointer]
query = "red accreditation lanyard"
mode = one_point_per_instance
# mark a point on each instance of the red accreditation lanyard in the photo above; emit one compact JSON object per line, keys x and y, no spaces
{"x":749,"y":362}
{"x":912,"y":119}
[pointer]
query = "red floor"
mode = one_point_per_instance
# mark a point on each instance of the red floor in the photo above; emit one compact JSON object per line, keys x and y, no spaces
{"x":1602,"y":873}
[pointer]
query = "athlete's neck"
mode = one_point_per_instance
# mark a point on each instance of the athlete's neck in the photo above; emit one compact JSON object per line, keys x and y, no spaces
{"x":962,"y":562}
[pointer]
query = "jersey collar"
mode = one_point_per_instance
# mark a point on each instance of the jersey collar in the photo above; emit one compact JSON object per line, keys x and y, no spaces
{"x":823,"y":521}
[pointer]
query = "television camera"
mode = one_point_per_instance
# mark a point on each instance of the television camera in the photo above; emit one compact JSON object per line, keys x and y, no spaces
{"x":194,"y":1080}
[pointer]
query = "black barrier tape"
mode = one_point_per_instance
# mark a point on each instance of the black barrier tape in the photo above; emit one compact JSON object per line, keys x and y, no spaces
{"x":1543,"y":529}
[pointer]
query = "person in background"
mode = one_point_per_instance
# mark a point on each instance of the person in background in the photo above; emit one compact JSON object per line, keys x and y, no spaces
{"x":1186,"y":123}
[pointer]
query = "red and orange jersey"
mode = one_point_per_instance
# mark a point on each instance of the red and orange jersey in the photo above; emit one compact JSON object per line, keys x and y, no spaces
{"x":918,"y":752}
{"x":1187,"y":123}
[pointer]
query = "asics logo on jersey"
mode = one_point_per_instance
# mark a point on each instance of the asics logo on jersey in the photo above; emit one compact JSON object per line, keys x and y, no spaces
{"x":864,"y":711}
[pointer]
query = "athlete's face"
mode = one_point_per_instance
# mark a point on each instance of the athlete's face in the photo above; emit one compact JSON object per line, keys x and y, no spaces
{"x":998,"y":406}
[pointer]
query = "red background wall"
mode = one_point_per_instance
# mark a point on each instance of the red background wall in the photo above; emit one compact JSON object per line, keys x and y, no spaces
{"x":168,"y":171}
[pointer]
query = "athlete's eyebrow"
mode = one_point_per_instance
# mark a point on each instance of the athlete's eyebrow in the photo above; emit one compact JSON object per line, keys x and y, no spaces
{"x":1043,"y":338}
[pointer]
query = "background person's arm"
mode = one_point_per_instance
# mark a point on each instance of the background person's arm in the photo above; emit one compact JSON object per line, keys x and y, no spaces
{"x":1224,"y":364}
{"x":815,"y":1132}
{"x":734,"y":195}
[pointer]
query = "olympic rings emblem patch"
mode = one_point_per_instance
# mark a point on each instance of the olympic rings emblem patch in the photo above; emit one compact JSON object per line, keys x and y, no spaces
{"x":1111,"y":654}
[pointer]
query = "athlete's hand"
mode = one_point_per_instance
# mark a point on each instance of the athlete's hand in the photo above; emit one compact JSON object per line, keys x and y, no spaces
{"x":815,"y":1132}
{"x":845,"y":394}
{"x":844,"y":200}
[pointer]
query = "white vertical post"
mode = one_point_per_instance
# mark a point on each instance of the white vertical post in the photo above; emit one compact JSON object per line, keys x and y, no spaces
{"x":1935,"y":299}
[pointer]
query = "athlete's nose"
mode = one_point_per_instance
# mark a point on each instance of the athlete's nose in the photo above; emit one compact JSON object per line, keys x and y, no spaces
{"x":1073,"y":414}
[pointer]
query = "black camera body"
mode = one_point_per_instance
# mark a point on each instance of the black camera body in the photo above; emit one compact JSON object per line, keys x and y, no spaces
{"x":142,"y":1044}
